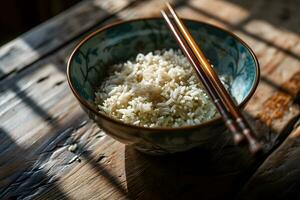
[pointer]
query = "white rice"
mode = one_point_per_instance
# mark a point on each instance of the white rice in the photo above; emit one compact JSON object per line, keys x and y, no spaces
{"x":159,"y":89}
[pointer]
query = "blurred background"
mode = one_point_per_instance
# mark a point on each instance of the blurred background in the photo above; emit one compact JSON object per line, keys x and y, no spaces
{"x":17,"y":16}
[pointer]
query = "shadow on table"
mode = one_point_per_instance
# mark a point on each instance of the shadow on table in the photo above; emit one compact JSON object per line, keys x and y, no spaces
{"x":279,"y":175}
{"x":20,"y":178}
{"x":193,"y":174}
{"x":262,"y":12}
{"x":201,"y":173}
{"x":281,"y":14}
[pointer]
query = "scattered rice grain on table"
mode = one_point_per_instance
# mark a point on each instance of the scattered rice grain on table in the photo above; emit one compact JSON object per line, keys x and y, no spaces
{"x":159,"y":89}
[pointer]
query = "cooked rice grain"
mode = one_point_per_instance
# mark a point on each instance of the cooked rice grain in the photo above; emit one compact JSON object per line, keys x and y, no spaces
{"x":159,"y":89}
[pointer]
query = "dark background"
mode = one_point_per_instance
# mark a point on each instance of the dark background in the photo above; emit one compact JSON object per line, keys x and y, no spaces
{"x":19,"y":16}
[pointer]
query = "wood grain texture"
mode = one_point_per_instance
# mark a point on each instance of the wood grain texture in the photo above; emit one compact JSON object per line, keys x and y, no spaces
{"x":40,"y":118}
{"x":55,"y":33}
{"x":280,"y":173}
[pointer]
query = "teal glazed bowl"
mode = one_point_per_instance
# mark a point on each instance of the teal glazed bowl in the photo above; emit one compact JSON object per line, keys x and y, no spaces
{"x":118,"y":42}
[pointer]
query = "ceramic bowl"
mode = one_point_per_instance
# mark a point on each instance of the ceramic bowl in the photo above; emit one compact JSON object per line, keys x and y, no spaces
{"x":121,"y":41}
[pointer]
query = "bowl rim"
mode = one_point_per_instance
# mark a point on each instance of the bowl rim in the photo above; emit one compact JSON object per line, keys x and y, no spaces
{"x":165,"y":129}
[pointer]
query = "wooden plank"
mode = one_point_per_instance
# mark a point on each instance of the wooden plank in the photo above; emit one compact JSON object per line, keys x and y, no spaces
{"x":51,"y":35}
{"x":280,"y":173}
{"x":40,"y":119}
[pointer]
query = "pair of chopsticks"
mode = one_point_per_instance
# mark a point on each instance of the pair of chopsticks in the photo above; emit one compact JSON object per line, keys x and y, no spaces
{"x":233,"y":119}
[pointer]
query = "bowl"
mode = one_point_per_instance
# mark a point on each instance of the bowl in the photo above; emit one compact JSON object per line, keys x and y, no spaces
{"x":118,"y":42}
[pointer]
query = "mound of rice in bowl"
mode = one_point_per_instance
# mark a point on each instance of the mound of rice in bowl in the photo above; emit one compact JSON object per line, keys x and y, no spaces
{"x":159,"y":89}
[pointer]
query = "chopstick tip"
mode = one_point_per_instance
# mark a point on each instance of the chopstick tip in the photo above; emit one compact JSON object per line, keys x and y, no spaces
{"x":256,"y":148}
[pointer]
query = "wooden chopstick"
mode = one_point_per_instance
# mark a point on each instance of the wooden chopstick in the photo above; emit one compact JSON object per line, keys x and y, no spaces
{"x":215,"y":88}
{"x":206,"y":82}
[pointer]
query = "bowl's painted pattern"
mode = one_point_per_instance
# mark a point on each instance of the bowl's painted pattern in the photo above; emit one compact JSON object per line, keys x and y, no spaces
{"x":90,"y":61}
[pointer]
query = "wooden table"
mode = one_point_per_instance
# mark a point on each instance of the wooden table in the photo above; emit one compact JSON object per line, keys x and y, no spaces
{"x":40,"y":118}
